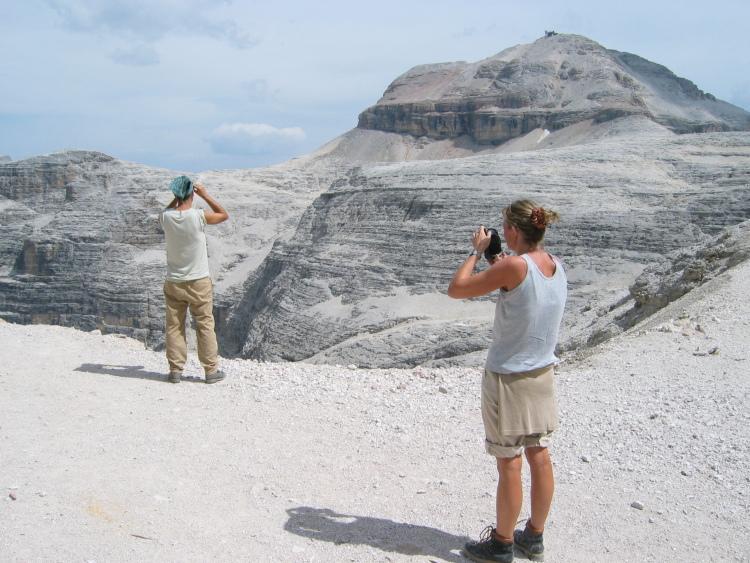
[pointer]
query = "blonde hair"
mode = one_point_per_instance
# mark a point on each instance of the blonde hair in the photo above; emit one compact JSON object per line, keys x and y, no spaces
{"x":530,"y":218}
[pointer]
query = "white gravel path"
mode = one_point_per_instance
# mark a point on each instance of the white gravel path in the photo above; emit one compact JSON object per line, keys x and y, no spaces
{"x":104,"y":461}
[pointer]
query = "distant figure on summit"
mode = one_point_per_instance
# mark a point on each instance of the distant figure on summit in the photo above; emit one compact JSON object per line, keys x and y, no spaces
{"x":188,"y":283}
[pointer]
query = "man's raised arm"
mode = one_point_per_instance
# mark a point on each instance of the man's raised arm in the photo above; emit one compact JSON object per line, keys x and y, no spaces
{"x":217,"y":214}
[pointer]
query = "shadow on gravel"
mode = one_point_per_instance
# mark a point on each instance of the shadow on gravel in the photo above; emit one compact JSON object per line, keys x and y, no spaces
{"x":326,"y":525}
{"x":128,"y":371}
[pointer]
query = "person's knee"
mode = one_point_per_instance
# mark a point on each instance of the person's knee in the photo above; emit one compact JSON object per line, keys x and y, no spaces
{"x":538,"y":458}
{"x":509,"y":465}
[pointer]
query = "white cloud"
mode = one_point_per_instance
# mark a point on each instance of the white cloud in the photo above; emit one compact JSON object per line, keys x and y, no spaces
{"x":250,"y":138}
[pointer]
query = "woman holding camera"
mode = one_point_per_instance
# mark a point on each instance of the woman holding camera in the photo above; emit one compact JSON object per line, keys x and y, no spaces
{"x":519,"y":407}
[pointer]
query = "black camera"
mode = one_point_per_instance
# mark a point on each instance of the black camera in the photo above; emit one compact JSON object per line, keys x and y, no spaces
{"x":494,"y":248}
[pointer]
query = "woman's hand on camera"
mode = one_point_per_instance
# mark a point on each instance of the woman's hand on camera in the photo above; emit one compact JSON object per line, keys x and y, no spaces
{"x":480,"y":239}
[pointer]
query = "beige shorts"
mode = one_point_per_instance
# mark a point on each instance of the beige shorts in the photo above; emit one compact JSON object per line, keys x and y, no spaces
{"x":519,"y":411}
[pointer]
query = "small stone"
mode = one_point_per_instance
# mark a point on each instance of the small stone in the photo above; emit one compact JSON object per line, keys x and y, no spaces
{"x":637,"y":505}
{"x":442,"y":389}
{"x":351,"y":366}
{"x":585,"y":459}
{"x":12,"y":496}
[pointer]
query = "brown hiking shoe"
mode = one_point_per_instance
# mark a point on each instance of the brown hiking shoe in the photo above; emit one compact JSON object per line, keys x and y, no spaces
{"x":215,"y":377}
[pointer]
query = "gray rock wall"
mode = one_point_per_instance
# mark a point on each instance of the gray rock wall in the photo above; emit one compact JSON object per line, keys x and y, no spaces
{"x":80,"y":244}
{"x":73,"y":225}
{"x":364,"y":281}
{"x":663,"y":282}
{"x":356,"y":273}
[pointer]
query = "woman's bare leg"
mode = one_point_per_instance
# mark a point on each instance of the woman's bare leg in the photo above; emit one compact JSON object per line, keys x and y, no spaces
{"x":509,"y":494}
{"x":542,"y":485}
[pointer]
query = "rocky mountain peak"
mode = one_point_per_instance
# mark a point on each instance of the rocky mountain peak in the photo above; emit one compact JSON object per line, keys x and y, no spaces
{"x":554,"y":82}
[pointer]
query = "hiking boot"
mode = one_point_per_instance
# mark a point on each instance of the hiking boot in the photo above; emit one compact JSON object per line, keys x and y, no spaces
{"x":175,"y":376}
{"x":215,"y":377}
{"x":531,"y":544}
{"x":488,"y":549}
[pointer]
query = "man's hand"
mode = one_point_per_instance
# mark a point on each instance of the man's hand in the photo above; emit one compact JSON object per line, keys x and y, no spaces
{"x":200,"y":190}
{"x":217,"y":214}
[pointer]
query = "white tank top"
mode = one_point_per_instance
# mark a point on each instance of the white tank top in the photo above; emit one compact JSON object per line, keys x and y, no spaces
{"x":527,"y":321}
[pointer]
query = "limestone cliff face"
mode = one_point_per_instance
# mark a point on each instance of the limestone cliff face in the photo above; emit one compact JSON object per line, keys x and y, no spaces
{"x":677,"y":274}
{"x":549,"y":84}
{"x":70,"y":242}
{"x":80,"y":244}
{"x":364,"y":281}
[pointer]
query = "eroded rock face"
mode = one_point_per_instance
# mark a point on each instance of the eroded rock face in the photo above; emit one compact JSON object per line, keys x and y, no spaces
{"x":70,"y":242}
{"x":685,"y":269}
{"x":80,"y":244}
{"x":665,"y":281}
{"x":365,"y":280}
{"x":550,"y":84}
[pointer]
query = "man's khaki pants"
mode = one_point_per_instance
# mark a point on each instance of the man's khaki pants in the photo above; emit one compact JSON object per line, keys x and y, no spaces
{"x":197,"y":295}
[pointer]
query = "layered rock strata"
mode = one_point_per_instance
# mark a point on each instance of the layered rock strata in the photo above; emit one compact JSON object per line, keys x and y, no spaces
{"x":80,"y":244}
{"x":666,"y":281}
{"x":365,"y":280}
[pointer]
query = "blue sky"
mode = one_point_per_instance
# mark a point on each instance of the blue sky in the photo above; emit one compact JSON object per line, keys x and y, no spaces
{"x":193,"y":85}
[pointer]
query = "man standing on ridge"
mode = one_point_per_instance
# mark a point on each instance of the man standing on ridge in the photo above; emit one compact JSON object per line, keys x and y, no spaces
{"x":188,"y":283}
